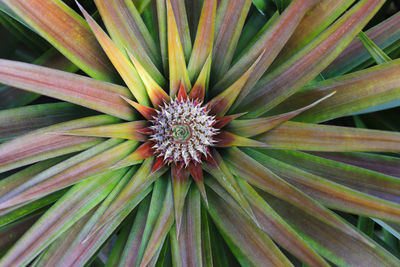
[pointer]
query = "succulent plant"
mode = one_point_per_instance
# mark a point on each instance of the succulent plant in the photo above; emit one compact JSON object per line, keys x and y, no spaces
{"x":189,"y":133}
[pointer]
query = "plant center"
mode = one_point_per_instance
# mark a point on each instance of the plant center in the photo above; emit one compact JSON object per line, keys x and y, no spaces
{"x":182,"y":132}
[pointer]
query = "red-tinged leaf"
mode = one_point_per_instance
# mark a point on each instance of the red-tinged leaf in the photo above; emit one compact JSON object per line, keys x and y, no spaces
{"x":54,"y":252}
{"x":18,"y":121}
{"x":279,"y":230}
{"x":219,"y":170}
{"x":360,"y":179}
{"x":11,"y":97}
{"x":147,"y":112}
{"x":176,"y":58}
{"x":182,"y":95}
{"x":128,"y":31}
{"x":251,"y":245}
{"x":142,"y":228}
{"x":14,"y":214}
{"x":70,"y":208}
{"x":314,"y":137}
{"x":182,"y":24}
{"x":272,"y":41}
{"x":158,"y":164}
{"x":136,"y":186}
{"x":333,"y":194}
{"x":258,"y":126}
{"x":39,"y":145}
{"x":385,"y":35}
{"x":335,"y":245}
{"x":76,"y":40}
{"x":119,"y":60}
{"x":127,"y":130}
{"x":230,"y":18}
{"x":37,"y":176}
{"x":220,"y":122}
{"x":187,"y":244}
{"x":161,"y":228}
{"x":8,"y":183}
{"x":301,"y":68}
{"x":162,"y":32}
{"x":199,"y":89}
{"x":10,"y":235}
{"x":180,"y":182}
{"x":135,"y":236}
{"x":220,"y":104}
{"x":383,"y":86}
{"x":379,"y":163}
{"x":141,"y":4}
{"x":227,"y":139}
{"x":144,"y":151}
{"x":93,"y":166}
{"x":202,"y":47}
{"x":255,"y":173}
{"x":77,"y":89}
{"x":84,"y":250}
{"x":313,"y":23}
{"x":196,"y":171}
{"x":156,"y":93}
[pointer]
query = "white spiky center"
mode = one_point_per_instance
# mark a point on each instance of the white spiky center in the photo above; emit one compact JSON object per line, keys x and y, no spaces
{"x":182,"y":131}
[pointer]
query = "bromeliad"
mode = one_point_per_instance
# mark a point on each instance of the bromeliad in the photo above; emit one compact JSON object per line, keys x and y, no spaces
{"x":218,"y":93}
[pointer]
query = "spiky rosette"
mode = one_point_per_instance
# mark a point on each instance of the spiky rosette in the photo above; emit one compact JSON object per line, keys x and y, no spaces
{"x":182,"y":131}
{"x":216,"y":101}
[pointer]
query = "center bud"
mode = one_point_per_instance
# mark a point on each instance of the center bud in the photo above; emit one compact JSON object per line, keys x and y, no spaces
{"x":182,"y":131}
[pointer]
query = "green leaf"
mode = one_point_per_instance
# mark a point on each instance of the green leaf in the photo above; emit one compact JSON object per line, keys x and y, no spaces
{"x":258,"y":126}
{"x":71,"y":207}
{"x":203,"y":44}
{"x":88,"y":243}
{"x":180,"y":14}
{"x":301,"y":68}
{"x":40,"y":144}
{"x":315,"y":137}
{"x":245,"y":167}
{"x":223,"y":175}
{"x":119,"y":60}
{"x":379,"y":163}
{"x":161,"y":228}
{"x":180,"y":186}
{"x":332,"y":243}
{"x":75,"y":42}
{"x":385,"y":35}
{"x":363,"y":180}
{"x":355,"y":92}
{"x":129,"y":32}
{"x":333,"y":194}
{"x":145,"y":220}
{"x":11,"y":97}
{"x":18,"y":121}
{"x":127,"y":130}
{"x":10,"y":235}
{"x":376,"y":53}
{"x":77,"y":89}
{"x":269,"y":42}
{"x":142,"y":179}
{"x":81,"y":171}
{"x":320,"y":17}
{"x":230,"y":18}
{"x":250,"y":243}
{"x":177,"y":65}
{"x":279,"y":230}
{"x":188,"y":244}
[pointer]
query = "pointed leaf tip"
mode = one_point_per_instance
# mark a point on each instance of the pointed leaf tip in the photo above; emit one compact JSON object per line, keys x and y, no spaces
{"x":145,"y":111}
